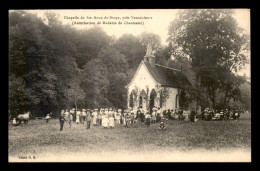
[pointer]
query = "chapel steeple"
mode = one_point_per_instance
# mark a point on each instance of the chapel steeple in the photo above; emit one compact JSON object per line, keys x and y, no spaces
{"x":149,"y":57}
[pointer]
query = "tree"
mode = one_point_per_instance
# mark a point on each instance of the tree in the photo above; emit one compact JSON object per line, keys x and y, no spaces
{"x":213,"y":41}
{"x":95,"y":83}
{"x":131,"y":47}
{"x":42,"y":56}
{"x":117,"y":68}
{"x":151,"y":38}
{"x":89,"y":43}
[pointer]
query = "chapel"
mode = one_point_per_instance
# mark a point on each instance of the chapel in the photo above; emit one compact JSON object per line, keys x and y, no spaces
{"x":155,"y":85}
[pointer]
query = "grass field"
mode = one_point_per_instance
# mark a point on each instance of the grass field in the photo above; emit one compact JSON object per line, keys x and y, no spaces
{"x":181,"y":141}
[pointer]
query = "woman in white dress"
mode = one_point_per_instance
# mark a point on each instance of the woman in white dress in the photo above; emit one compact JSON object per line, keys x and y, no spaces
{"x":111,"y":121}
{"x":105,"y":122}
{"x":77,"y":116}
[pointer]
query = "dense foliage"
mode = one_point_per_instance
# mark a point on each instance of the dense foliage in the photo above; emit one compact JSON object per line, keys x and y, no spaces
{"x":53,"y":66}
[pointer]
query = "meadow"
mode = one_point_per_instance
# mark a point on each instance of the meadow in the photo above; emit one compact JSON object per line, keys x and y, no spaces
{"x":182,"y":141}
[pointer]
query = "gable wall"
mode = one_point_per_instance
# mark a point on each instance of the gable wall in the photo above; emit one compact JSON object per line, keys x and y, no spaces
{"x":142,"y":80}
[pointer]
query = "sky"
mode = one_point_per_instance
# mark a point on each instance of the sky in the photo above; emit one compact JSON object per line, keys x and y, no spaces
{"x":158,"y":21}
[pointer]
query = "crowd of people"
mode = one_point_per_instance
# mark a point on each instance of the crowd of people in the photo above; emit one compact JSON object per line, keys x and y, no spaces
{"x":211,"y":114}
{"x":108,"y":117}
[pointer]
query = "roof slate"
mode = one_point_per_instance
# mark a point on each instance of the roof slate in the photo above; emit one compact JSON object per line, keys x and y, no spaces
{"x":168,"y":77}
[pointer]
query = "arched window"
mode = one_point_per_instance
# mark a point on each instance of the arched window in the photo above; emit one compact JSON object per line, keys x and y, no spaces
{"x":140,"y":101}
{"x":131,"y":102}
{"x":152,"y":98}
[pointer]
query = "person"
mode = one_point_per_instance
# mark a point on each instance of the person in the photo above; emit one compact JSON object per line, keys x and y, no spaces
{"x":111,"y":121}
{"x":142,"y":116}
{"x":71,"y":115}
{"x":236,"y":115}
{"x":103,"y":118}
{"x":74,"y":115}
{"x":127,"y":119}
{"x":138,"y":116}
{"x":100,"y":117}
{"x":118,"y":117}
{"x":15,"y":123}
{"x":180,"y":115}
{"x":192,"y":115}
{"x":162,"y":126}
{"x":154,"y":115}
{"x":62,"y":120}
{"x":88,"y":118}
{"x":84,"y":114}
{"x":169,"y":113}
{"x":147,"y":119}
{"x":78,"y":116}
{"x":132,"y":117}
{"x":48,"y":116}
{"x":106,"y":112}
{"x":124,"y":117}
{"x":160,"y":114}
{"x":105,"y":122}
{"x":119,"y":112}
{"x":94,"y":115}
{"x":226,"y":114}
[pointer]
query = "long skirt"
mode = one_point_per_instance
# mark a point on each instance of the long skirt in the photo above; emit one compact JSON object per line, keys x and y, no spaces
{"x":124,"y":122}
{"x":153,"y":118}
{"x":111,"y":122}
{"x":77,"y":119}
{"x":94,"y":120}
{"x":148,"y":121}
{"x":105,"y":122}
{"x":157,"y":118}
{"x":74,"y":117}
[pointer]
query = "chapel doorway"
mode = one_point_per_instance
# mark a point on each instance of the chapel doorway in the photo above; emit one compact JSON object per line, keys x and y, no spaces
{"x":142,"y":100}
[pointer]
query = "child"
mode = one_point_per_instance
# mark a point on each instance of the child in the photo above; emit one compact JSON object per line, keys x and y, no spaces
{"x":14,"y":123}
{"x":47,"y":118}
{"x":162,"y":126}
{"x":111,"y":121}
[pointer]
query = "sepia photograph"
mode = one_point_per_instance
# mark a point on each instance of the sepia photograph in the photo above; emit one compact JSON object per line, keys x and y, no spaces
{"x":129,"y":85}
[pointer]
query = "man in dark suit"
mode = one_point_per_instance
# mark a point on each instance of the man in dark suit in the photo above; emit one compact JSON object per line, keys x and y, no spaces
{"x":88,"y":118}
{"x":192,"y":115}
{"x":62,"y":120}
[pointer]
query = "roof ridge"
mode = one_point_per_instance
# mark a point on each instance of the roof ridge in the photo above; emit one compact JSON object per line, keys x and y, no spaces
{"x":167,"y":67}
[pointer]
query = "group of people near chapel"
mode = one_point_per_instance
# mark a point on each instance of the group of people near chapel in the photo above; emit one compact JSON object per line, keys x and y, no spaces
{"x":107,"y":118}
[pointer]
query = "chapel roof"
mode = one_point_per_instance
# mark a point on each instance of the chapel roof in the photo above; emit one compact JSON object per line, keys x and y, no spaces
{"x":168,"y":77}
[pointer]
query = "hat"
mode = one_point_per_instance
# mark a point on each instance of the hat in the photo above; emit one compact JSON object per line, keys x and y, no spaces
{"x":119,"y":110}
{"x":95,"y":109}
{"x":84,"y":110}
